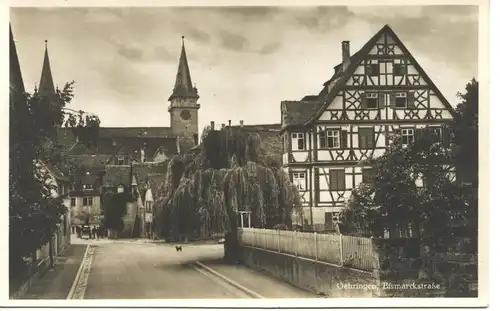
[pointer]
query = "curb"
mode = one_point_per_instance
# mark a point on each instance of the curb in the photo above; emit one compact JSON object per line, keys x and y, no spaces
{"x":78,"y":274}
{"x":242,"y":288}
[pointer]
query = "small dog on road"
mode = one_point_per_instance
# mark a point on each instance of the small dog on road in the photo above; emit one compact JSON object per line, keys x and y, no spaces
{"x":178,"y":248}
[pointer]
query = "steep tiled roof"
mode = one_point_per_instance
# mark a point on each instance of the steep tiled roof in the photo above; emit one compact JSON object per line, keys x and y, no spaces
{"x":343,"y":75}
{"x":183,"y":85}
{"x":269,"y":136}
{"x":46,"y":86}
{"x":298,"y":112}
{"x":144,"y":171}
{"x":115,"y":132}
{"x":150,"y":145}
{"x":307,"y":110}
{"x":120,"y":174}
{"x":116,"y":174}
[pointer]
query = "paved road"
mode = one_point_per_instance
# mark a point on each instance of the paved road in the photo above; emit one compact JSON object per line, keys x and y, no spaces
{"x":139,"y":270}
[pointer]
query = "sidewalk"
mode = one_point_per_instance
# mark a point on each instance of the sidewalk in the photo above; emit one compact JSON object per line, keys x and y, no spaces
{"x":56,"y":283}
{"x":263,"y":284}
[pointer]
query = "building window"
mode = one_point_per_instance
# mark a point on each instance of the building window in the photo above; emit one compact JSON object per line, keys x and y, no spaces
{"x":88,"y":201}
{"x":299,"y":180}
{"x":366,"y":137}
{"x":372,"y":100}
{"x":437,"y":132}
{"x":298,"y":142}
{"x":401,"y":100}
{"x":329,"y":139}
{"x":408,"y":136}
{"x":120,"y":161}
{"x":399,"y":69}
{"x":337,"y":180}
{"x":372,"y":69}
{"x":368,"y":174}
{"x":87,"y":187}
{"x":73,"y":202}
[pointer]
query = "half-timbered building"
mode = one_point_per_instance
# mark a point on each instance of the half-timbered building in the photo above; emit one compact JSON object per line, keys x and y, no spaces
{"x":376,"y":92}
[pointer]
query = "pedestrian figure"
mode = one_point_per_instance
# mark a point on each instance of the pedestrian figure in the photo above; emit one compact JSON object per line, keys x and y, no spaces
{"x":93,"y":232}
{"x":98,"y":232}
{"x":78,"y":231}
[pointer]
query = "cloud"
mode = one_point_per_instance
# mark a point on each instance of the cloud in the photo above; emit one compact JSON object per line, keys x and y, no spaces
{"x":322,"y":19}
{"x":163,"y":54}
{"x":198,"y":35}
{"x":249,"y":12}
{"x":130,"y":53}
{"x":232,"y":41}
{"x":270,"y":48}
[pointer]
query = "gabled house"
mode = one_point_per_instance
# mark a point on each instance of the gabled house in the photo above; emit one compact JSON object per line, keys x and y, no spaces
{"x":376,"y":92}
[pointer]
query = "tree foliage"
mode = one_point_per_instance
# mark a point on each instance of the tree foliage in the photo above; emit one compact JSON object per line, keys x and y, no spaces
{"x":34,"y":211}
{"x":413,"y":190}
{"x":203,"y":193}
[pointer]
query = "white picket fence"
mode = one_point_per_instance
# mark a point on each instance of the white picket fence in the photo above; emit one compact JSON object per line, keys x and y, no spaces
{"x":356,"y":252}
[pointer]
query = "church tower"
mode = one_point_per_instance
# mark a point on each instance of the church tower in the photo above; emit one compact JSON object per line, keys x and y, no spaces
{"x":184,"y":105}
{"x":46,"y":86}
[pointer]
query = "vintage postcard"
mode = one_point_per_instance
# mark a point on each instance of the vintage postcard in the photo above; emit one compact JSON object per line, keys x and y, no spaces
{"x":261,"y":155}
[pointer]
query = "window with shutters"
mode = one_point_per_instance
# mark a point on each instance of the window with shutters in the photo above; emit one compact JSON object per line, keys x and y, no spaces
{"x":371,"y":100}
{"x":368,"y":174}
{"x":366,"y":137}
{"x":401,"y":100}
{"x":337,"y":180}
{"x":372,"y":70}
{"x":88,"y":201}
{"x":298,"y":142}
{"x":408,"y":136}
{"x":399,"y":69}
{"x":329,"y":139}
{"x":299,"y":180}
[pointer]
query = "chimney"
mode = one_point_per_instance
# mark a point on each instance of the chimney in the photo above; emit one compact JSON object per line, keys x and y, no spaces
{"x":223,"y":125}
{"x":212,"y":125}
{"x":346,"y":55}
{"x":229,"y":123}
{"x":241,"y":123}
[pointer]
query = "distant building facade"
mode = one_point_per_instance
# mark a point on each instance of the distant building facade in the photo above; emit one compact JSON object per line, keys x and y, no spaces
{"x":123,"y":156}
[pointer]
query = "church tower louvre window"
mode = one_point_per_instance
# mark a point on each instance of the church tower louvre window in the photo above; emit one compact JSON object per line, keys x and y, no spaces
{"x":184,"y":105}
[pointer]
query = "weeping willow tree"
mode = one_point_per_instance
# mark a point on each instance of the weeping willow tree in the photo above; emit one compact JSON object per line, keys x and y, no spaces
{"x":203,"y":193}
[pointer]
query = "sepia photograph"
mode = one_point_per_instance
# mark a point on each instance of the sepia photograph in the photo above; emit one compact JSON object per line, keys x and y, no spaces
{"x":245,"y":152}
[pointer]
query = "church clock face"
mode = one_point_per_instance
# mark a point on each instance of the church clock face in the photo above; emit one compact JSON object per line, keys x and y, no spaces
{"x":185,"y":115}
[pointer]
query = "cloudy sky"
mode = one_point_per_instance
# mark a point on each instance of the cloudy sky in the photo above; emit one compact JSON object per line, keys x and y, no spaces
{"x":244,"y":61}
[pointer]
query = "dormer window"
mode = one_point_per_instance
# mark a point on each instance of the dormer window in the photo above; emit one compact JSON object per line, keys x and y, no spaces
{"x":87,"y":187}
{"x":120,"y":161}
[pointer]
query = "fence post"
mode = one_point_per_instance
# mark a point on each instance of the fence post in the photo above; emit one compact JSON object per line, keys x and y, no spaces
{"x":341,"y":251}
{"x":279,"y":249}
{"x":315,"y":246}
{"x":295,"y":242}
{"x":265,"y":240}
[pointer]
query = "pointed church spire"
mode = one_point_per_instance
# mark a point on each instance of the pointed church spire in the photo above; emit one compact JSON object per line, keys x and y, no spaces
{"x":15,"y":76}
{"x":183,"y":87}
{"x":46,"y":86}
